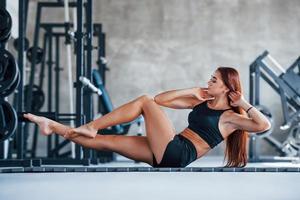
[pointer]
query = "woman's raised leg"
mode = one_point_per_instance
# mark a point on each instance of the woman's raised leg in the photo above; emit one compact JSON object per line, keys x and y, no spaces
{"x":123,"y":114}
{"x":159,"y":129}
{"x":133,"y":147}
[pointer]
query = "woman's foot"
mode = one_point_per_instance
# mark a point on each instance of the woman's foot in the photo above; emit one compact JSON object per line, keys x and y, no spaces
{"x":86,"y":130}
{"x":43,"y":123}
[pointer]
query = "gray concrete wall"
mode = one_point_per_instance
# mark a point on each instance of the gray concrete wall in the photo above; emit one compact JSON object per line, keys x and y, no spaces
{"x":154,"y":46}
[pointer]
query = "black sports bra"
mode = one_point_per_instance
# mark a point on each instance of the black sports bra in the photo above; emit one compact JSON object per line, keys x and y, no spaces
{"x":204,"y":121}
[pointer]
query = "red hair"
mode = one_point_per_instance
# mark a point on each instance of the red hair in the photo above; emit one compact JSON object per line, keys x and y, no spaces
{"x":236,"y":143}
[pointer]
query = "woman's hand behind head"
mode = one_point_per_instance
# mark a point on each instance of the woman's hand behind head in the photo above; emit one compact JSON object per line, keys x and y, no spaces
{"x":236,"y":98}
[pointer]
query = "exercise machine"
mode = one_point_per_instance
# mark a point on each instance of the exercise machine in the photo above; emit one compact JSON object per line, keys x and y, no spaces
{"x":286,"y":83}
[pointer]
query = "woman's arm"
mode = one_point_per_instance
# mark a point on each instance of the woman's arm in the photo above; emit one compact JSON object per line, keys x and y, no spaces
{"x":182,"y":98}
{"x":255,"y":122}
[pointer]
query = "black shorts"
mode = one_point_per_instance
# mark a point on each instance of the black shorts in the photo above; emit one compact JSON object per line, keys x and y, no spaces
{"x":180,"y":152}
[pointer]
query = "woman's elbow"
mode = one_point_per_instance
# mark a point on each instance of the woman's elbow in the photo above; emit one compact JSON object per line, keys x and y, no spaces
{"x":265,"y":126}
{"x":160,"y":102}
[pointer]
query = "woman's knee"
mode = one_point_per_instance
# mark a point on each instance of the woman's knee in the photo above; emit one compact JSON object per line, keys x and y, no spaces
{"x":145,"y":98}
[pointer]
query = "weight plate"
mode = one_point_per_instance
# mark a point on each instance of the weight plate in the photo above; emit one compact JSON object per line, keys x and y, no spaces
{"x":8,"y":120}
{"x":294,"y":136}
{"x":8,"y":71}
{"x":38,"y":97}
{"x":26,"y":44}
{"x":5,"y":25}
{"x":39,"y":54}
{"x":12,"y":88}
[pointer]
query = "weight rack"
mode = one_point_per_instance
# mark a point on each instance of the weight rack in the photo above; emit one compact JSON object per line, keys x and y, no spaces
{"x":83,"y":54}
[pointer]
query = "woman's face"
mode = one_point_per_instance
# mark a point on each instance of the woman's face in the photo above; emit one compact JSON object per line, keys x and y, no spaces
{"x":216,"y":85}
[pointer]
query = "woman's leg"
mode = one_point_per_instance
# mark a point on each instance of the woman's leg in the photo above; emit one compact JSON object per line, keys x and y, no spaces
{"x":159,"y":129}
{"x":133,"y":147}
{"x":123,"y":114}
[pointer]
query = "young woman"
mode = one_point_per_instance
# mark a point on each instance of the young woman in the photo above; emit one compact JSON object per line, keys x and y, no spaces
{"x":219,"y":112}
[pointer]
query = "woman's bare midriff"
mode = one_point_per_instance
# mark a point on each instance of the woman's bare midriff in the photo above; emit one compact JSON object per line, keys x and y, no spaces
{"x":201,"y":146}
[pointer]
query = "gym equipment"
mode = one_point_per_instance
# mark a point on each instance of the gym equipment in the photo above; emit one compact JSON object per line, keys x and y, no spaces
{"x":38,"y":97}
{"x":86,"y":82}
{"x":39,"y":55}
{"x":5,"y":25}
{"x":79,"y":67}
{"x":18,"y":140}
{"x":291,"y":145}
{"x":16,"y":44}
{"x":82,"y":39}
{"x":286,"y":82}
{"x":69,"y":63}
{"x":9,"y":80}
{"x":12,"y":88}
{"x":8,"y":71}
{"x":8,"y":120}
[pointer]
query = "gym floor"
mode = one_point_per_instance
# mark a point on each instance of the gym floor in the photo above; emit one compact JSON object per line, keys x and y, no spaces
{"x":154,"y":185}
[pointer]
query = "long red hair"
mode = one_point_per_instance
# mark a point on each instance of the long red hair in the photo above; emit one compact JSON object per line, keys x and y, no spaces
{"x":236,"y":143}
